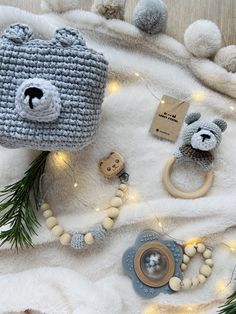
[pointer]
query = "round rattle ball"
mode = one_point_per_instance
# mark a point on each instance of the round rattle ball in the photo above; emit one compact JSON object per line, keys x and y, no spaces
{"x":110,"y":9}
{"x":202,"y":38}
{"x":150,"y":16}
{"x":226,"y":57}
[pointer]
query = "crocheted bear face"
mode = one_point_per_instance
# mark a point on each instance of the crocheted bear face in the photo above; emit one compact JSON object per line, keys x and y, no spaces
{"x":50,"y":91}
{"x":203,"y":135}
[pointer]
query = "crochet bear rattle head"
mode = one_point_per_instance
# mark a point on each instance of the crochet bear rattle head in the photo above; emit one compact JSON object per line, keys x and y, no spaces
{"x":200,"y":138}
{"x":51,"y":91}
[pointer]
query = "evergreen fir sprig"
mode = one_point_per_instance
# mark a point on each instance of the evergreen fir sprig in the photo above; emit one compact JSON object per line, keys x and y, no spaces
{"x":18,"y":202}
{"x":230,"y":305}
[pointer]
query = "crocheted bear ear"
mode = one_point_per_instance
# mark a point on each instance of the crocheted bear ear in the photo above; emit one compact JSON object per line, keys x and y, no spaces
{"x":69,"y":37}
{"x":221,"y":123}
{"x":18,"y":33}
{"x":192,"y":117}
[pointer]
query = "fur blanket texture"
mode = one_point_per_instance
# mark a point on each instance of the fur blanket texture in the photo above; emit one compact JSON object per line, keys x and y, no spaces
{"x":52,"y":279}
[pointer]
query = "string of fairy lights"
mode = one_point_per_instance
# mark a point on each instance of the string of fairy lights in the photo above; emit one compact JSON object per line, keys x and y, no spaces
{"x":62,"y":161}
{"x":198,"y":96}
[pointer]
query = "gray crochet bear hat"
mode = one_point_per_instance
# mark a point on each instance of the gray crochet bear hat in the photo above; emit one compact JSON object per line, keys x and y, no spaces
{"x":51,"y":92}
{"x":200,"y":139}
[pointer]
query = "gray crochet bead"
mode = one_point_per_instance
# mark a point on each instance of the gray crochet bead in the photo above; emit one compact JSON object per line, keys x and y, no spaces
{"x":77,"y":241}
{"x":32,"y":113}
{"x":150,"y":16}
{"x":98,"y":232}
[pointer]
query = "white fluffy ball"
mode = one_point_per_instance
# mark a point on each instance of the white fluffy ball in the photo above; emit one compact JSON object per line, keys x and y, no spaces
{"x":226,"y":57}
{"x":150,"y":16}
{"x":59,"y":5}
{"x":110,"y":9}
{"x":202,"y":38}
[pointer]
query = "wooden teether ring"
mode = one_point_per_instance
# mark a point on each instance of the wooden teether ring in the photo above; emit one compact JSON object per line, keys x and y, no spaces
{"x":174,"y":191}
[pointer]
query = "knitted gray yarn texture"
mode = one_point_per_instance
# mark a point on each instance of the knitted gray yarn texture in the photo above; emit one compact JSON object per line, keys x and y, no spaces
{"x":200,"y":139}
{"x":77,"y":241}
{"x":51,"y":91}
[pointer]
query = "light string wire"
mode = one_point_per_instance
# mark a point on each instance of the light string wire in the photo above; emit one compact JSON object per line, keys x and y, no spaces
{"x":44,"y":194}
{"x":196,"y":95}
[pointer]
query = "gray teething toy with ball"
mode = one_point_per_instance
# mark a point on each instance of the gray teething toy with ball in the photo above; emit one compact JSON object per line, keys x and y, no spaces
{"x":200,"y":139}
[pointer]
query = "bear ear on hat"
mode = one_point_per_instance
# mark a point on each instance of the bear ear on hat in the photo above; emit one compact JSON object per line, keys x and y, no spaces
{"x":18,"y":33}
{"x":192,"y":117}
{"x":67,"y":37}
{"x":221,"y":123}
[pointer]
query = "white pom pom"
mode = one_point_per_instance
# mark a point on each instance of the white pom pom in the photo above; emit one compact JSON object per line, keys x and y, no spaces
{"x":226,"y":57}
{"x":202,"y":38}
{"x":59,"y":5}
{"x":110,"y":9}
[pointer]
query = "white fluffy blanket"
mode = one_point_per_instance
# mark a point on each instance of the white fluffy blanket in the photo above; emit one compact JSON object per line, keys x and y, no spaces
{"x":52,"y":279}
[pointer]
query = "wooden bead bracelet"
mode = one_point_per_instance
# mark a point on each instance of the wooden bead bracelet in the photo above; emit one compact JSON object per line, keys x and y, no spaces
{"x":176,"y":284}
{"x":112,"y":166}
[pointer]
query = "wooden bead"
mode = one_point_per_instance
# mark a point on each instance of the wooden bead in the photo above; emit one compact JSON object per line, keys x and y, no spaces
{"x":51,"y":222}
{"x":65,"y":239}
{"x":186,"y":259}
{"x":175,"y":283}
{"x":44,"y":206}
{"x":116,"y":202}
{"x":201,"y":247}
{"x":205,"y":270}
{"x":186,"y":283}
{"x":207,"y":254}
{"x":201,"y":278}
{"x":107,"y":223}
{"x":113,"y":212}
{"x":57,"y":230}
{"x":209,"y":262}
{"x":47,"y":213}
{"x":195,"y":282}
{"x":88,"y":238}
{"x":123,"y":187}
{"x":120,"y":194}
{"x":190,"y":250}
{"x":183,"y":267}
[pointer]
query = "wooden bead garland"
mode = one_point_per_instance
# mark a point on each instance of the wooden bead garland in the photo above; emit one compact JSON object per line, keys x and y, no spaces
{"x":110,"y":167}
{"x":176,"y":284}
{"x":112,"y":213}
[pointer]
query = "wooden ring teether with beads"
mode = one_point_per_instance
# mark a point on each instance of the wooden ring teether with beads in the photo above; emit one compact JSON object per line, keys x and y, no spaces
{"x":110,"y":167}
{"x":200,"y":139}
{"x":178,"y":193}
{"x":157,"y":266}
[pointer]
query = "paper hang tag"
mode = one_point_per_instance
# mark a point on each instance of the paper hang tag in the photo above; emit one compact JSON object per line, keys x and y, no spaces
{"x":169,"y":118}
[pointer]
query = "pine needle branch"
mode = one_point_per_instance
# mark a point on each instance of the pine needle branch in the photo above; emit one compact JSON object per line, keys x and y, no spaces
{"x":18,"y":202}
{"x":230,"y":305}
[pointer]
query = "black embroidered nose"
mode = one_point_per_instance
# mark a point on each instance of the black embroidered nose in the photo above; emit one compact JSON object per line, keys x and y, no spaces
{"x":205,"y":136}
{"x":33,"y":92}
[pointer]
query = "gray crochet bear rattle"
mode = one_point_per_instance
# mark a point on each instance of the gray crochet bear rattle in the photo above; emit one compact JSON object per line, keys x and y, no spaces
{"x":51,"y":91}
{"x":200,"y":140}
